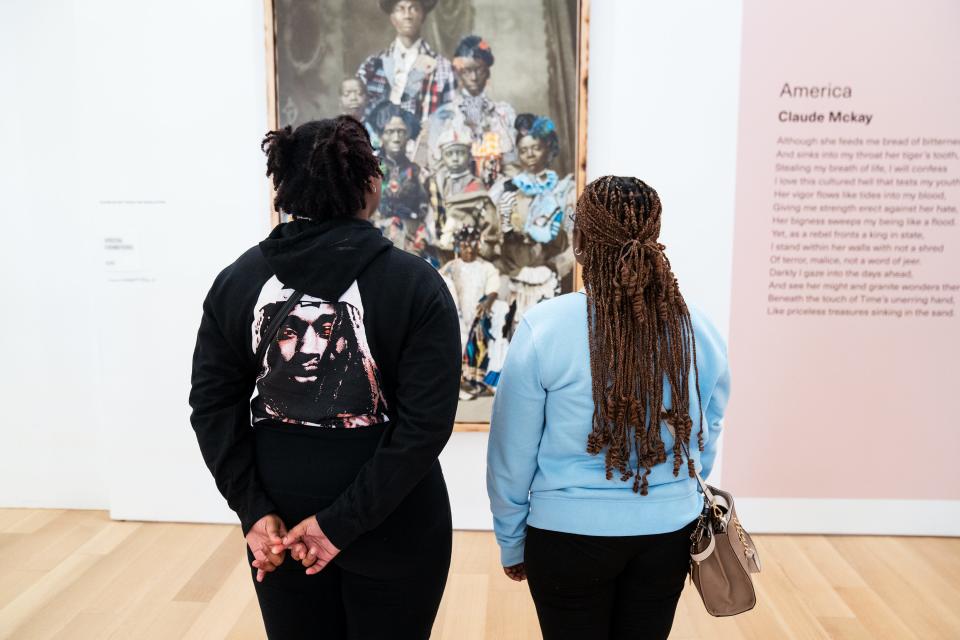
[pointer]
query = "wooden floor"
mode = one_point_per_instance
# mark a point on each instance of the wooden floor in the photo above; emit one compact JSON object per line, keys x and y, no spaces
{"x":76,"y":574}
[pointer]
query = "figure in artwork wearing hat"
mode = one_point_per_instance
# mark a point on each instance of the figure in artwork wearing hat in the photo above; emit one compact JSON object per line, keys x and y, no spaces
{"x":491,"y":123}
{"x":459,"y":199}
{"x":408,"y":73}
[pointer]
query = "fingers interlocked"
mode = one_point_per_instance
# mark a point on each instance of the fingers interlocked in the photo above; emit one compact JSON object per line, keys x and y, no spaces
{"x":263,"y":539}
{"x":310,"y":546}
{"x":269,"y":541}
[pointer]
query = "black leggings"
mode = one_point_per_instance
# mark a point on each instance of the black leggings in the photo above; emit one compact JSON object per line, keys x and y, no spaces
{"x":389,"y":581}
{"x":598,"y":587}
{"x":337,"y":603}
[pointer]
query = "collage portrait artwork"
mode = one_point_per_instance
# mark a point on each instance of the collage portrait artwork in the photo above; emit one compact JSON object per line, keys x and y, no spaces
{"x":471,"y":108}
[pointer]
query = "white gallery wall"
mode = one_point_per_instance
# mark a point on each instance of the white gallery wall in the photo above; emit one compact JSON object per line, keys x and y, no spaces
{"x":184,"y":186}
{"x":134,"y":126}
{"x":664,"y":88}
{"x":48,"y":331}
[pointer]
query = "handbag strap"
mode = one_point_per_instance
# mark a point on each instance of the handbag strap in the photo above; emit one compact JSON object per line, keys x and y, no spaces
{"x":275,"y":325}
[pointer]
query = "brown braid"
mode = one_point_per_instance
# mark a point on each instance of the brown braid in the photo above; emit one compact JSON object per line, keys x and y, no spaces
{"x":639,"y":327}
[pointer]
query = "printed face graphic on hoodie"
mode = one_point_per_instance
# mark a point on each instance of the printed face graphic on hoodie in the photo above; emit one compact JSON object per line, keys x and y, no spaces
{"x":304,"y":340}
{"x":318,"y":370}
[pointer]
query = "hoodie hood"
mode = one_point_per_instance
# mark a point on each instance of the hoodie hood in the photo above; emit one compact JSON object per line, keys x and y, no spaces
{"x":322,"y":259}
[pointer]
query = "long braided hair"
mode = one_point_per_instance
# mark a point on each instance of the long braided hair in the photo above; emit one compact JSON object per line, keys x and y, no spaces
{"x":640,"y":331}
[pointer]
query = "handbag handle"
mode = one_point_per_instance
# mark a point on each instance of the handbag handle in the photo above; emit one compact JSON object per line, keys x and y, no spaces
{"x":274,"y":326}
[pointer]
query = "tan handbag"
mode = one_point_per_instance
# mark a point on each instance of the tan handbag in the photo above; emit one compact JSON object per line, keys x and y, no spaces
{"x":722,"y":554}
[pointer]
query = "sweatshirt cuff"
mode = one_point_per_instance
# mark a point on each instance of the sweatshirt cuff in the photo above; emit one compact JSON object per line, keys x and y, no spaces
{"x":258,"y":507}
{"x":510,"y":556}
{"x":340,"y":531}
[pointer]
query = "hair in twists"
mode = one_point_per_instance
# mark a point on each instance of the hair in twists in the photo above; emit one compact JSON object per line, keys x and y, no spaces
{"x":640,"y":331}
{"x":322,"y":169}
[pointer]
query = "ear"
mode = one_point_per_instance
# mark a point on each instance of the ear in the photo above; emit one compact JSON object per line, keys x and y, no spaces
{"x":579,"y":244}
{"x":372,"y":197}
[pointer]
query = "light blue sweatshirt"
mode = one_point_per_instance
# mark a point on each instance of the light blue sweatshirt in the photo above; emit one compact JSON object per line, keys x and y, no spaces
{"x":538,"y":470}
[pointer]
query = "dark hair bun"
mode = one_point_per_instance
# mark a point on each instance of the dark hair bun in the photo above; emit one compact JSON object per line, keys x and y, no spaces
{"x":524,"y":122}
{"x":475,"y":47}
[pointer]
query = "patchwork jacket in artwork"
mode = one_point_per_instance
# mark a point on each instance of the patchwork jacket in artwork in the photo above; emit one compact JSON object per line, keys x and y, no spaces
{"x":318,"y":370}
{"x":429,"y":84}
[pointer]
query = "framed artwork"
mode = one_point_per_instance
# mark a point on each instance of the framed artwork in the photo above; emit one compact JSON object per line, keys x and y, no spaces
{"x":477,"y":109}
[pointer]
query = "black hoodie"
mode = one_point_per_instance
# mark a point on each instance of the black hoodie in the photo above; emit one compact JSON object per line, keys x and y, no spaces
{"x":374,"y":344}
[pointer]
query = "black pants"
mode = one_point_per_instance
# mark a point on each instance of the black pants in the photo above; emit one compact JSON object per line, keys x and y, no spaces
{"x":593,"y":587}
{"x":386,"y":584}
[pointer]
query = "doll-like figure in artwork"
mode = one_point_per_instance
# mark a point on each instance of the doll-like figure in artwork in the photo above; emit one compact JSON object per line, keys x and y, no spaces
{"x":475,"y":286}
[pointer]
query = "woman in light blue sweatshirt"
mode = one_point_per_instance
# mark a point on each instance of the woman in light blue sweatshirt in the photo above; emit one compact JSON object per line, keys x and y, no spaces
{"x":593,"y":501}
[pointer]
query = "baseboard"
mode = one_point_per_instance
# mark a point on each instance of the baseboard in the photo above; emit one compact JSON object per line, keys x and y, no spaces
{"x":468,"y":518}
{"x":759,"y":515}
{"x":869,"y":517}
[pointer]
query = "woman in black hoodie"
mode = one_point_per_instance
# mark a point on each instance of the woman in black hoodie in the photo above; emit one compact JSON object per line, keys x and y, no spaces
{"x":356,"y":391}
